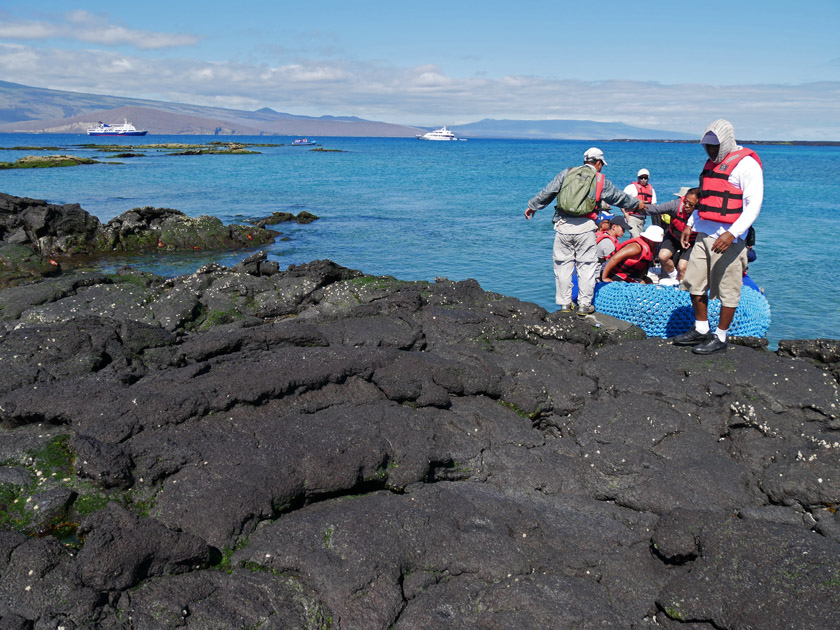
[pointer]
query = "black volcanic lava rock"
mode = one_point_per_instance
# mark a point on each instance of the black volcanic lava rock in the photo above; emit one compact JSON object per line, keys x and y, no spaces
{"x":320,"y":448}
{"x":20,"y":265}
{"x":149,"y":229}
{"x":48,"y":229}
{"x":35,"y":235}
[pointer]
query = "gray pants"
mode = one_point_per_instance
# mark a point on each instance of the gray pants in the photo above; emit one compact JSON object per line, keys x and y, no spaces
{"x":637,"y":224}
{"x":570,"y":251}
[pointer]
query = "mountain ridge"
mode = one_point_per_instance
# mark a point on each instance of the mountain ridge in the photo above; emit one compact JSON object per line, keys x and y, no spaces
{"x":26,"y":109}
{"x":565,"y":129}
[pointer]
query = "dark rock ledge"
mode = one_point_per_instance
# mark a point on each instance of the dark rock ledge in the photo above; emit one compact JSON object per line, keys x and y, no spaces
{"x":36,"y":237}
{"x":317,"y":448}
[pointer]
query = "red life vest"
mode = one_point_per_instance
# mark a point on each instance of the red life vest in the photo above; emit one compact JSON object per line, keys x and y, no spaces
{"x":600,"y":236}
{"x":719,"y":200}
{"x":599,"y":189}
{"x":678,"y":223}
{"x":645,"y":193}
{"x":634,"y":269}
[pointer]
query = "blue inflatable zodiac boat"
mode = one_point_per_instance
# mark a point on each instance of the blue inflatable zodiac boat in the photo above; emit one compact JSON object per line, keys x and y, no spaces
{"x":665,"y":311}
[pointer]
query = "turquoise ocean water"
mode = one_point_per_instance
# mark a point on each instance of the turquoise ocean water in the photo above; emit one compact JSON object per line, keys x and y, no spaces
{"x":418,"y":210}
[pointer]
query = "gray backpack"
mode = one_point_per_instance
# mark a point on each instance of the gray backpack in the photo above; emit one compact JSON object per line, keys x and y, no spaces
{"x":574,"y":197}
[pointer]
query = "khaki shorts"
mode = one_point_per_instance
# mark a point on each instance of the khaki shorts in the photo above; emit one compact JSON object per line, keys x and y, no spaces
{"x":720,"y":274}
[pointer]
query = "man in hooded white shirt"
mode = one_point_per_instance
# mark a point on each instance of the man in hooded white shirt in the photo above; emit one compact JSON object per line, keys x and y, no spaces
{"x":719,"y":263}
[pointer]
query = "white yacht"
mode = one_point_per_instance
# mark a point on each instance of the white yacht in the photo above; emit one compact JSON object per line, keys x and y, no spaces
{"x":438,"y":134}
{"x":125,"y":129}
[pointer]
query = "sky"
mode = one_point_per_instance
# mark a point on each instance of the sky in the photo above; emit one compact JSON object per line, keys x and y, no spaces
{"x":772,"y":68}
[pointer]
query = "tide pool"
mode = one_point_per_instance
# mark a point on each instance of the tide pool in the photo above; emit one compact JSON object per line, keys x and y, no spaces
{"x":419,"y":210}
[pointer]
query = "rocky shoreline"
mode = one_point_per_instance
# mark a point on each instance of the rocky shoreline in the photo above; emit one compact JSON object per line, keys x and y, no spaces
{"x":36,"y":237}
{"x":319,"y":448}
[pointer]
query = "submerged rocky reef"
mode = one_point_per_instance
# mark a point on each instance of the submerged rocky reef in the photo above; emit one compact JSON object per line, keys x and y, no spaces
{"x":47,"y":161}
{"x":319,"y":448}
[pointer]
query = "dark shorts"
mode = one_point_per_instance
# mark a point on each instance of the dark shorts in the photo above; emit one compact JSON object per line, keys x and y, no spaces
{"x":673,"y":245}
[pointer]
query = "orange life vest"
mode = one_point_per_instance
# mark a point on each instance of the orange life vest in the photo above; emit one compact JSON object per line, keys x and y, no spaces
{"x":720,"y":200}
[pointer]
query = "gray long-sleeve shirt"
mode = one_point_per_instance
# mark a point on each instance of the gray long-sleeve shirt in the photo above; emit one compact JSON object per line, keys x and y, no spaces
{"x":575,"y":225}
{"x":669,"y":207}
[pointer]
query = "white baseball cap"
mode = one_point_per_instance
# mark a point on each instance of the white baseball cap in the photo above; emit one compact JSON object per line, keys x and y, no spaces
{"x":593,"y":154}
{"x":643,"y":171}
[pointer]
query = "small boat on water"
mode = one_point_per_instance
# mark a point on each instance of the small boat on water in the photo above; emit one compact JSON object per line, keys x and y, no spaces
{"x":125,"y":129}
{"x":439,"y":134}
{"x":304,"y":142}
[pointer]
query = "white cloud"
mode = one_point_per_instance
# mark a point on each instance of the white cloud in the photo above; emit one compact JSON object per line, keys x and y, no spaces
{"x":94,"y":29}
{"x":26,"y":30}
{"x":425,"y":95}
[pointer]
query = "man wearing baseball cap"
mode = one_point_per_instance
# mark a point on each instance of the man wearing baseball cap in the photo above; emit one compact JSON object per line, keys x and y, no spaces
{"x":642,"y":189}
{"x":574,"y":229}
{"x":607,"y":241}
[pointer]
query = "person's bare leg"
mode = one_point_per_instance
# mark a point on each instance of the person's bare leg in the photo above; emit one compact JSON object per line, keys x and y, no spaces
{"x":665,"y":259}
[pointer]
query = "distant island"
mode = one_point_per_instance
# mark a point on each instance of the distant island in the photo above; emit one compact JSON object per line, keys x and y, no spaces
{"x":805,"y":143}
{"x":28,"y":109}
{"x":562,"y":129}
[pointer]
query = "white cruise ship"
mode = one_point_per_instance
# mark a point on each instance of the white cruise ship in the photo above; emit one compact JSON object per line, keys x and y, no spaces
{"x":125,"y":129}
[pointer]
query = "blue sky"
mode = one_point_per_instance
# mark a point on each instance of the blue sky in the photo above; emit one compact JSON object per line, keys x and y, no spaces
{"x":770,"y":67}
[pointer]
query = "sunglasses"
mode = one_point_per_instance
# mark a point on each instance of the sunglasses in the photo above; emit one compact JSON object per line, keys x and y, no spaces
{"x":644,"y":177}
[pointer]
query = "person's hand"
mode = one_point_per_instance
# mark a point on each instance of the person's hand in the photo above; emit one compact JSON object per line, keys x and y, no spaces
{"x":529,"y":213}
{"x":642,"y":205}
{"x":685,"y":237}
{"x":723,"y":242}
{"x":606,"y":279}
